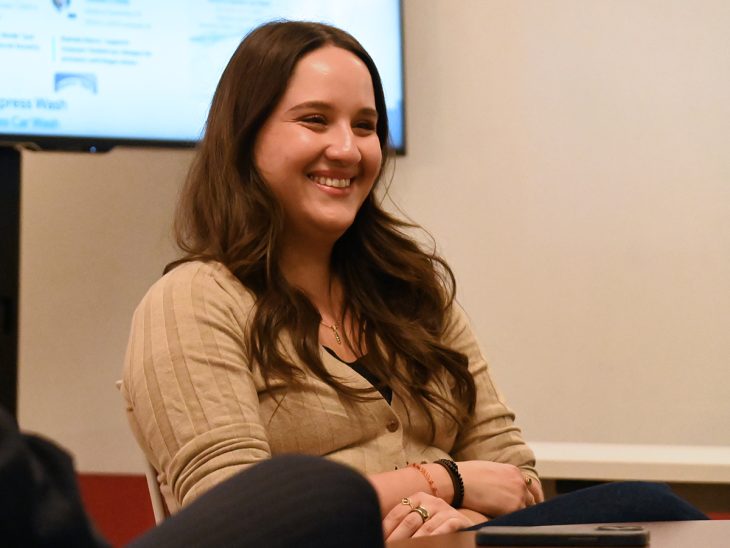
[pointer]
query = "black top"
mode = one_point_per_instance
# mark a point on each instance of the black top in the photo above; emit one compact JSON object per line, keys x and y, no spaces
{"x":359,"y":367}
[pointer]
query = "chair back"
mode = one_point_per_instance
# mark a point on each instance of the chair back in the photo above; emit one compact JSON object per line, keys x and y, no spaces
{"x":159,"y":508}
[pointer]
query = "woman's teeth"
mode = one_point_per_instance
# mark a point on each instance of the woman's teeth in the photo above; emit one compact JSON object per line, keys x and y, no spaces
{"x":327,"y":181}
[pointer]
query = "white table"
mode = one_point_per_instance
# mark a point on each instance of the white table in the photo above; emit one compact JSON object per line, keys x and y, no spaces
{"x":608,"y":461}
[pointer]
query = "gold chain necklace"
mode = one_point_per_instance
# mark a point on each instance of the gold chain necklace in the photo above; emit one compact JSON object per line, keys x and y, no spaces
{"x":334,"y":327}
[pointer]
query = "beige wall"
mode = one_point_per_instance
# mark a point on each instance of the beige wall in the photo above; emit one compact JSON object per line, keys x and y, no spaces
{"x":95,"y":234}
{"x":570,"y":158}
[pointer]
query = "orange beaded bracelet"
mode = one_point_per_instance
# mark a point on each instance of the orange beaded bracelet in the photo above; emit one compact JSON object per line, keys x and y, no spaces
{"x":428,"y":477}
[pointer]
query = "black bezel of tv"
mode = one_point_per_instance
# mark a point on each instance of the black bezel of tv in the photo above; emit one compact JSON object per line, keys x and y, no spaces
{"x":86,"y":144}
{"x":92,"y":144}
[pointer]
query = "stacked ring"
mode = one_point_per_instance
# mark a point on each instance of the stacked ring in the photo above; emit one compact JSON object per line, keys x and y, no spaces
{"x":421,"y":511}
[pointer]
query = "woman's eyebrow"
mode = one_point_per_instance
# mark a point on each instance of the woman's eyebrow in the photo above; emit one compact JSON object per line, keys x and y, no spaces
{"x":322,"y":105}
{"x":314,"y":105}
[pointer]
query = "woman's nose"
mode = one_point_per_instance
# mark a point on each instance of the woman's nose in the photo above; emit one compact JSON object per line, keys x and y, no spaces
{"x":342,"y":146}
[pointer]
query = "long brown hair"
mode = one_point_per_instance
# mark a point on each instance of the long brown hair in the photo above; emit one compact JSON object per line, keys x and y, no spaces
{"x":399,"y":295}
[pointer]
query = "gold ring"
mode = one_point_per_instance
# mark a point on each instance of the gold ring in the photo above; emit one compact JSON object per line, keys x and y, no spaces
{"x":407,"y":502}
{"x":528,"y":480}
{"x":421,"y":511}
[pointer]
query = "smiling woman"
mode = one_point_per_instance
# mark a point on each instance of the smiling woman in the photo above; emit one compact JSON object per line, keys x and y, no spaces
{"x":302,"y":318}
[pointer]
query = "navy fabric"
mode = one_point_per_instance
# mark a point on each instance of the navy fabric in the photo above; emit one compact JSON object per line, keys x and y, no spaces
{"x":627,"y":501}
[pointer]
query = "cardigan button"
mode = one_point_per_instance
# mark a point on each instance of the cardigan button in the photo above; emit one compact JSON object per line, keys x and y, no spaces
{"x":392,"y":425}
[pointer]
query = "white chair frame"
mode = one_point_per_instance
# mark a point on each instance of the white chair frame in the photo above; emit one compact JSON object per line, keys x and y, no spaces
{"x":159,"y":509}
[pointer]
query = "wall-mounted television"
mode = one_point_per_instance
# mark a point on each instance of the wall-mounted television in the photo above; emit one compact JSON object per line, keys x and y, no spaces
{"x":93,"y":74}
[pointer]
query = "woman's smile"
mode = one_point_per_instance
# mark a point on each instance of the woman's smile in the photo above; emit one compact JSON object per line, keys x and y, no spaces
{"x":332,"y":182}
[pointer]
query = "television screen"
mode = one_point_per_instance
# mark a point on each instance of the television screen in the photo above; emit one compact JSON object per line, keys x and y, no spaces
{"x":91,"y":74}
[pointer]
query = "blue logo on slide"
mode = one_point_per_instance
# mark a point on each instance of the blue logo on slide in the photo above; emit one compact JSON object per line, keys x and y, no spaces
{"x":61,"y":4}
{"x":62,"y":80}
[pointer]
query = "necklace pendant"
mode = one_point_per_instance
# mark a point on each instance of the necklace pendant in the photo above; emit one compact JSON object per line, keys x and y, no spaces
{"x":337,"y":335}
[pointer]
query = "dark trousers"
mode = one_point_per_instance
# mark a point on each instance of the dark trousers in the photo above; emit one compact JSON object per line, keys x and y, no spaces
{"x":292,"y":500}
{"x":607,"y":503}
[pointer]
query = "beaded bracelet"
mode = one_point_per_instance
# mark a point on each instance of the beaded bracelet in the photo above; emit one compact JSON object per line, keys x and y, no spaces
{"x":428,"y":477}
{"x":453,"y":469}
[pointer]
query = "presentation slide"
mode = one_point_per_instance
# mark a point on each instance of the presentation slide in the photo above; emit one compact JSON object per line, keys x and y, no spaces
{"x":147,"y":70}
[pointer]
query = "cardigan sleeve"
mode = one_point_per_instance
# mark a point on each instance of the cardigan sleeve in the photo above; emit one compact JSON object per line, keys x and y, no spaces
{"x":191,"y":397}
{"x":491,"y":433}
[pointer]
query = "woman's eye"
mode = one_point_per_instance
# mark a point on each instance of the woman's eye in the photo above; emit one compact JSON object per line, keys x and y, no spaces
{"x":315,"y":119}
{"x":365,"y":125}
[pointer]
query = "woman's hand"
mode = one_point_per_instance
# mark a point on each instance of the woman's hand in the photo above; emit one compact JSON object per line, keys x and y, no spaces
{"x":494,"y":489}
{"x":404,"y":521}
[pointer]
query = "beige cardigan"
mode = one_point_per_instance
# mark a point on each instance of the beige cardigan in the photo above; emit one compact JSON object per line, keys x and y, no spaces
{"x":201,"y":412}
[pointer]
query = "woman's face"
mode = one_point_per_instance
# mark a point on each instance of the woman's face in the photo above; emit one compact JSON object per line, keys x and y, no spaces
{"x":318,"y":151}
